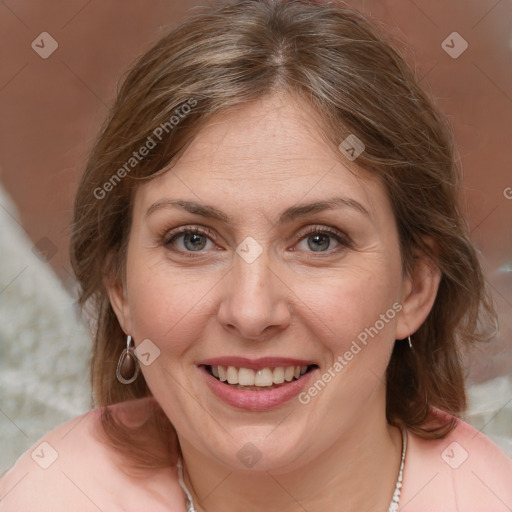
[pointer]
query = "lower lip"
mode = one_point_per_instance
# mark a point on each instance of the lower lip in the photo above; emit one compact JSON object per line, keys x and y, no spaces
{"x":256,"y":400}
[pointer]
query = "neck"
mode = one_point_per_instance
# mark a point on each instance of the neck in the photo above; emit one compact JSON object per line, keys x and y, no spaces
{"x":359,"y":472}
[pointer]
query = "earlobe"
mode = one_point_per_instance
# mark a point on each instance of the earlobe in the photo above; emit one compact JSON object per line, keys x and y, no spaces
{"x":419,"y":294}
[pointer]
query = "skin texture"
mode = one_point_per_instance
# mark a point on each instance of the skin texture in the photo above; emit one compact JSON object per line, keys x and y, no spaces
{"x":292,"y":301}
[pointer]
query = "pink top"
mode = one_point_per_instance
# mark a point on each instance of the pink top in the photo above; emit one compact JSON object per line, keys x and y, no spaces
{"x":70,"y":470}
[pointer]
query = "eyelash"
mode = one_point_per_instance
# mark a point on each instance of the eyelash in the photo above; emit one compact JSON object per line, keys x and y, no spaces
{"x":168,"y":237}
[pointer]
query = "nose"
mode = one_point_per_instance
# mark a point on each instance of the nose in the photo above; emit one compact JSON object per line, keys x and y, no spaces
{"x":255,"y":301}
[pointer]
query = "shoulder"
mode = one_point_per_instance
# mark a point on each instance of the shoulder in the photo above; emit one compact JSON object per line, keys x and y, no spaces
{"x":464,"y":471}
{"x":71,"y":468}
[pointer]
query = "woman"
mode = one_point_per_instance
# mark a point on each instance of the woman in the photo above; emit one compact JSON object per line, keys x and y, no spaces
{"x":270,"y":219}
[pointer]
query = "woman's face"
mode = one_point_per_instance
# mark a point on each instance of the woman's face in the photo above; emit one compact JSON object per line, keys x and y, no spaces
{"x":269,"y":282}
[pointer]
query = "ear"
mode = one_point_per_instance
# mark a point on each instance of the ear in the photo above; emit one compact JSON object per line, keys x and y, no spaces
{"x":419,"y":291}
{"x":116,"y":290}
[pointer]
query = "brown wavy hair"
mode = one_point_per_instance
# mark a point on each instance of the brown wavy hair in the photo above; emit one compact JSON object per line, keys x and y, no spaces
{"x":353,"y":76}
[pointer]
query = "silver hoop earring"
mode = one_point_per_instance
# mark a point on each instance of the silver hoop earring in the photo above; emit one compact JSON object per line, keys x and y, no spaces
{"x":128,"y":364}
{"x":410,"y":342}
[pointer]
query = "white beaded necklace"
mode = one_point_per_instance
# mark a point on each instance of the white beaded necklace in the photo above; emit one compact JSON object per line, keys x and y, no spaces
{"x":393,"y":507}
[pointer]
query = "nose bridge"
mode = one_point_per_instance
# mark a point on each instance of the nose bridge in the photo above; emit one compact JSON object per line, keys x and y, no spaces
{"x":252,"y":277}
{"x":251,"y":264}
{"x":254,"y":299}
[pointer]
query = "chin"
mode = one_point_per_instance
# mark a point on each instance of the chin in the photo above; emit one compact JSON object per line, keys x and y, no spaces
{"x":263,"y":448}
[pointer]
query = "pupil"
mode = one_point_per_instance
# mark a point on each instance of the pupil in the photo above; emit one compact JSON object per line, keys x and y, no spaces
{"x":320,"y":237}
{"x":189,"y":236}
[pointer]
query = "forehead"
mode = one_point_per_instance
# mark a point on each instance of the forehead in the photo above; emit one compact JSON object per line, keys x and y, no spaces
{"x":262,"y":155}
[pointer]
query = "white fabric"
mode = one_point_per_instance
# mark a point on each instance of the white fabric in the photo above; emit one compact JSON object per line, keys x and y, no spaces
{"x":44,"y":349}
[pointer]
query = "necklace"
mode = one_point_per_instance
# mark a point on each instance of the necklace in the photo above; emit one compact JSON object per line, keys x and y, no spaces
{"x":393,"y":506}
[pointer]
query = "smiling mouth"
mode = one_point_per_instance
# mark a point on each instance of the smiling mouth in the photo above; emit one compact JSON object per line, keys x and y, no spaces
{"x":258,"y":380}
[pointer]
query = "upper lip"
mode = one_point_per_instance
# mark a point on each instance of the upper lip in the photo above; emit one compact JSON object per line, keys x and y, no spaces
{"x":255,"y":364}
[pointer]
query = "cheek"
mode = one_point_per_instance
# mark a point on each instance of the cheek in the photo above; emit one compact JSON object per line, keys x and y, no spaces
{"x":167,"y":305}
{"x":356,"y":304}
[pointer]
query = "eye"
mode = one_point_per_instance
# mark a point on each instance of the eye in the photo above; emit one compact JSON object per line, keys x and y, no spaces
{"x":194,"y":239}
{"x":319,"y":239}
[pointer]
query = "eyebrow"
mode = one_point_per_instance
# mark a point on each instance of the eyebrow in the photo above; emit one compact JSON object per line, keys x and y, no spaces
{"x":286,"y":216}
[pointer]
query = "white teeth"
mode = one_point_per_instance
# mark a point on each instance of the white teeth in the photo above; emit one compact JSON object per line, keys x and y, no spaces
{"x":232,"y":375}
{"x":264,"y":377}
{"x":278,"y":375}
{"x":246,"y":377}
